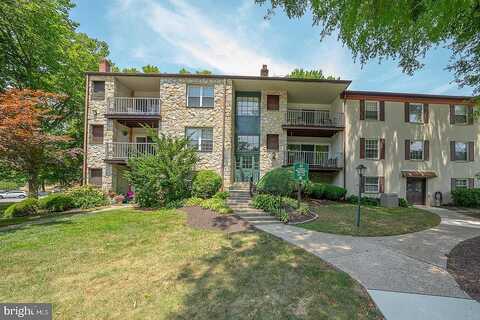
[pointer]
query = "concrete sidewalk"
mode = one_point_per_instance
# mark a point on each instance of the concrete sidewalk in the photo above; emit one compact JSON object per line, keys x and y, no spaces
{"x":405,"y":275}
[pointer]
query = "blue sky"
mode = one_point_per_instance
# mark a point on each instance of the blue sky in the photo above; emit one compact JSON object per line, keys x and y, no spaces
{"x":232,"y":37}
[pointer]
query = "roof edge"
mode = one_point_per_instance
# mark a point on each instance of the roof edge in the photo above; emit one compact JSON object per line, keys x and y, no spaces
{"x":401,"y":95}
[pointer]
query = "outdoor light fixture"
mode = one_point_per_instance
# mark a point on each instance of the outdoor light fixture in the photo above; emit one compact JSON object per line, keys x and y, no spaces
{"x":361,"y":169}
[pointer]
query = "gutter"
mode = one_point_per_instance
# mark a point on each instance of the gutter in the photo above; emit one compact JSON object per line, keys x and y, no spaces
{"x":223,"y":131}
{"x":85,"y":133}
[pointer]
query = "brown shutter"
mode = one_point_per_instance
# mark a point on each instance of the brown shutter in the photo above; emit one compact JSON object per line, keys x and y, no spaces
{"x":471,"y":151}
{"x":426,"y":150}
{"x":381,"y":184}
{"x":452,"y":184}
{"x":362,"y":109}
{"x":407,"y":112}
{"x":452,"y":150}
{"x":382,"y":110}
{"x":272,"y":142}
{"x":425,"y":113}
{"x":382,"y":149}
{"x":471,"y":183}
{"x":470,"y":114}
{"x":273,"y":102}
{"x":362,"y":148}
{"x":407,"y":149}
{"x":452,"y":114}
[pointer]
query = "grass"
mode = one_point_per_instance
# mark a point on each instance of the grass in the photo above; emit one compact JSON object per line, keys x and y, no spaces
{"x":3,"y":207}
{"x":339,"y":218}
{"x":149,"y":265}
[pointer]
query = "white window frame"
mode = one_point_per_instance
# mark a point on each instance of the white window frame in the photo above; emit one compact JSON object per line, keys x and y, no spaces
{"x":422,"y":120}
{"x":455,"y":113}
{"x":377,"y":106}
{"x":202,"y":87}
{"x":423,"y":149}
{"x":465,"y":180}
{"x":378,"y":149}
{"x":466,"y":151}
{"x":376,"y":186}
{"x":200,"y":139}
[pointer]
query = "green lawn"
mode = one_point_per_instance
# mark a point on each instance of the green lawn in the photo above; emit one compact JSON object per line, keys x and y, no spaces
{"x":339,"y":218}
{"x":149,"y":265}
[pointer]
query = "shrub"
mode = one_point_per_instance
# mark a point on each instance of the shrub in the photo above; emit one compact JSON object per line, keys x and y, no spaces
{"x":193,"y":201}
{"x":56,"y":202}
{"x":466,"y":197}
{"x":278,"y":181}
{"x":206,"y":183}
{"x":276,"y":205}
{"x":334,"y":193}
{"x":24,"y":208}
{"x":367,"y":201}
{"x":222,"y":195}
{"x":315,"y":190}
{"x":216,"y":204}
{"x":87,"y":197}
{"x":164,"y":176}
{"x":303,"y":209}
{"x":402,"y":202}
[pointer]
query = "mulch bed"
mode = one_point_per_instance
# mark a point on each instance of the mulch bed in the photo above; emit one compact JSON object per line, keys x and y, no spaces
{"x":200,"y":218}
{"x":464,"y":263}
{"x":295,"y":217}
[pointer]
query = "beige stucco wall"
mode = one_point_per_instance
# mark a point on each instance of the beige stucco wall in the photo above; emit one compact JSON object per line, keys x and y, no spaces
{"x":395,"y":131}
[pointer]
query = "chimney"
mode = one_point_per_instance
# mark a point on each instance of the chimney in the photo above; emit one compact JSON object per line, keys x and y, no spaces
{"x":104,"y":65}
{"x":264,"y":71}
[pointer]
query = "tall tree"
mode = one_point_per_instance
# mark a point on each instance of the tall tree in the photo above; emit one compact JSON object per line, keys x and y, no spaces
{"x":402,"y":29}
{"x":310,"y":74}
{"x":150,"y":69}
{"x":26,"y":142}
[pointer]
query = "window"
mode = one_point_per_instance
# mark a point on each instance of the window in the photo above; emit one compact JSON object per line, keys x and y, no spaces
{"x":248,"y":106}
{"x":461,"y":151}
{"x":416,"y":150}
{"x":461,"y":114}
{"x":415,"y":113}
{"x":97,"y":134}
{"x":461,"y":183}
{"x":272,"y":142}
{"x":199,"y":96}
{"x":200,"y":139}
{"x":273,"y":102}
{"x":371,"y":110}
{"x":371,"y":149}
{"x":371,"y":185}
{"x":98,"y":90}
{"x":248,"y":143}
{"x":95,"y":177}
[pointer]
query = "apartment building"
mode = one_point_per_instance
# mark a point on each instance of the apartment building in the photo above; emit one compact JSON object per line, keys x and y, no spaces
{"x":414,"y":145}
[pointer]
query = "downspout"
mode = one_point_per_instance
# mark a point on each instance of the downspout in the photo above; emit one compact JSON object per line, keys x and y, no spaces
{"x":344,"y":143}
{"x":85,"y":133}
{"x":223,"y":131}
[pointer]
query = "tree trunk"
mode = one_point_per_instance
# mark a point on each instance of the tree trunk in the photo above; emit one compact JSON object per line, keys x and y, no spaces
{"x":43,"y":185}
{"x":33,"y":186}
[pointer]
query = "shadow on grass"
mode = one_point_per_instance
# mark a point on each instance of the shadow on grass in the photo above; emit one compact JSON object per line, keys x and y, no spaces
{"x":260,"y":277}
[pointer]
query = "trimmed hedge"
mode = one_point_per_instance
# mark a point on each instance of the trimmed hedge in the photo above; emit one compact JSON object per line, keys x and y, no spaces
{"x":278,"y":181}
{"x":334,"y":193}
{"x":367,"y":201}
{"x":24,"y":208}
{"x":56,"y":202}
{"x":466,"y":197}
{"x":87,"y":197}
{"x":315,"y":190}
{"x":206,"y":183}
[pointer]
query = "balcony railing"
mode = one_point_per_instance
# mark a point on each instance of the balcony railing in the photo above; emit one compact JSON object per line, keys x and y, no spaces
{"x":127,"y":150}
{"x":314,"y":118}
{"x":133,"y":106}
{"x":314,"y":159}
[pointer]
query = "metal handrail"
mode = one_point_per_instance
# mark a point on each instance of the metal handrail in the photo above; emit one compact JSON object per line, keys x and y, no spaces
{"x":314,"y":118}
{"x":313,"y":158}
{"x":134,"y":105}
{"x":127,"y":150}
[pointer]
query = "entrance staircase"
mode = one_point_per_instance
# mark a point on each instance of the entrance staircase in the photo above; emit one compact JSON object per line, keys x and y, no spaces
{"x":239,"y":201}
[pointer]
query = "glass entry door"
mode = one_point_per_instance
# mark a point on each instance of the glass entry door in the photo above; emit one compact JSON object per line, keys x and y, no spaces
{"x":246,"y":167}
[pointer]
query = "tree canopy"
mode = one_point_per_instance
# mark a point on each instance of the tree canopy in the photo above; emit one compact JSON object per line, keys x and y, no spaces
{"x":310,"y":74}
{"x":150,"y":69}
{"x":404,"y":30}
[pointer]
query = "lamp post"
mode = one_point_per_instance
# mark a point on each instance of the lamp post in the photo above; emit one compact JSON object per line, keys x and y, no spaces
{"x":361,"y":171}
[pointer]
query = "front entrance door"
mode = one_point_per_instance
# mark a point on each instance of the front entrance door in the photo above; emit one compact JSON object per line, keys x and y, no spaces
{"x":246,"y":166}
{"x":416,"y":190}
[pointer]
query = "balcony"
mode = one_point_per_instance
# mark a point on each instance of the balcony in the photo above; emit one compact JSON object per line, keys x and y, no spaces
{"x":313,"y":122}
{"x":317,"y":161}
{"x":120,"y":152}
{"x":133,"y":108}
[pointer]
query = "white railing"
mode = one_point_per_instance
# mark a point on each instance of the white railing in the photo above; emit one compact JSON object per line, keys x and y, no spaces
{"x":134,"y":106}
{"x":315,"y":159}
{"x":127,"y":150}
{"x":314,"y":118}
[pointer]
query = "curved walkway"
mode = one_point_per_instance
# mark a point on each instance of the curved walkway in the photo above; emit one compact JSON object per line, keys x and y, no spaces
{"x":405,"y":275}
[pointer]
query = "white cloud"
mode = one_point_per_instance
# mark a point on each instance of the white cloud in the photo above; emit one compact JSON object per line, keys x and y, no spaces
{"x":201,"y":42}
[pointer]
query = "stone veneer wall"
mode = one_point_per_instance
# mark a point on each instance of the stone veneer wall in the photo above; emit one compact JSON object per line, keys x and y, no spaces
{"x":176,"y":116}
{"x":96,"y":115}
{"x":271,"y":123}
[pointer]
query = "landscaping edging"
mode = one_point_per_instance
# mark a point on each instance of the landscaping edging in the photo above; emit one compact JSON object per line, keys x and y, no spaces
{"x":306,"y":221}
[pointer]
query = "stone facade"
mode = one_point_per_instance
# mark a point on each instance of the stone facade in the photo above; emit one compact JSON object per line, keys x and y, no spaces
{"x":271,"y":123}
